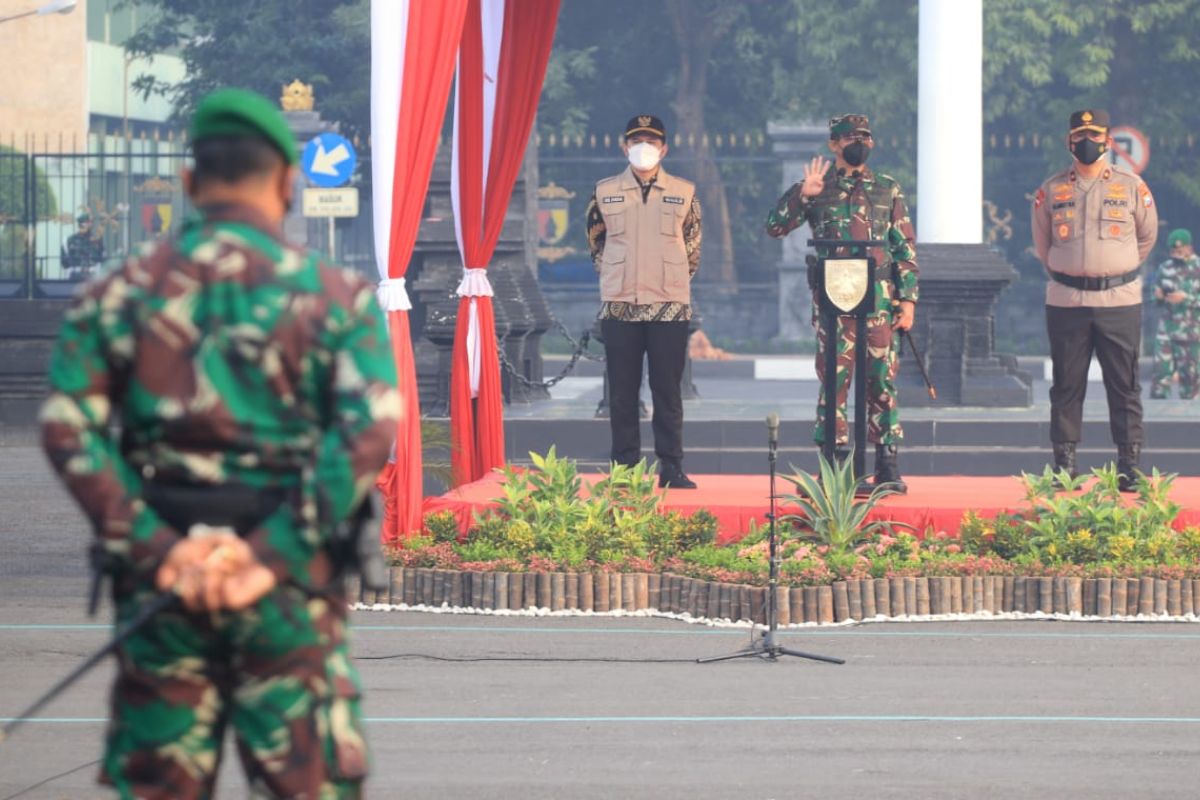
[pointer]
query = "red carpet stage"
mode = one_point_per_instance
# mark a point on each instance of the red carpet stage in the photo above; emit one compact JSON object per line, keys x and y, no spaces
{"x":932,"y":502}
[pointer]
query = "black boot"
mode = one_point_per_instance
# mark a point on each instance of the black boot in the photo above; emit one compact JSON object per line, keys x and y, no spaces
{"x":1127,"y":462}
{"x":1064,"y":458}
{"x":671,"y":476}
{"x":887,"y":469}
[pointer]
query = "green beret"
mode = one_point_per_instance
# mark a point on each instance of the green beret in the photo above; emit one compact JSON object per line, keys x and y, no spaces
{"x":1179,"y":236}
{"x":238,"y":112}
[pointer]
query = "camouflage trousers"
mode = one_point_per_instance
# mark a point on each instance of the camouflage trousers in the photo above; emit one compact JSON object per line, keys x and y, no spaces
{"x":883,"y":413}
{"x":280,"y":673}
{"x":1175,"y":358}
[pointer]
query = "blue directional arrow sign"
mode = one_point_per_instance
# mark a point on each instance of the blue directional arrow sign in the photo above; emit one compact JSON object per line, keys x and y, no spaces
{"x":329,"y":160}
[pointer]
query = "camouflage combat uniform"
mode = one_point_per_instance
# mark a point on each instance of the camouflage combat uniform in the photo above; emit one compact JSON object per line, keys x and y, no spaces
{"x":1177,"y":339}
{"x":228,"y":358}
{"x":859,"y":205}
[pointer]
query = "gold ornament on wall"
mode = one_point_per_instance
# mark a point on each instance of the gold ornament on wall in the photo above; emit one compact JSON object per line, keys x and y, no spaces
{"x":297,"y":96}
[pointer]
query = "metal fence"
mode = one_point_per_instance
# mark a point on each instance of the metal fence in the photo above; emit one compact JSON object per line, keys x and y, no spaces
{"x":65,"y":216}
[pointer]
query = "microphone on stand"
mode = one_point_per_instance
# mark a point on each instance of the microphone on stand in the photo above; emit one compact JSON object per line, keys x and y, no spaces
{"x":773,"y":429}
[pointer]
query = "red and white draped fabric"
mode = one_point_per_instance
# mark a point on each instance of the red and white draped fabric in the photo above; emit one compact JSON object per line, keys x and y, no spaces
{"x":413,"y":45}
{"x":501,"y":64}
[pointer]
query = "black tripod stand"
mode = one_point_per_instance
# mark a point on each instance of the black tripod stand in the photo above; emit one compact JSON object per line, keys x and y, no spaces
{"x":766,"y":646}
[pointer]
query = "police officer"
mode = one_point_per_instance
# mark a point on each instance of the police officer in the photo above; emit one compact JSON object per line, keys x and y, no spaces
{"x":255,"y":391}
{"x":643,"y":229}
{"x":84,"y":250}
{"x":1176,"y":289}
{"x":845,"y":199}
{"x":1093,"y":226}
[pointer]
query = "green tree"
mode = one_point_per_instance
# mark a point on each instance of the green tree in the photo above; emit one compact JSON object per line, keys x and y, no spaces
{"x":14,"y":209}
{"x":263,"y":46}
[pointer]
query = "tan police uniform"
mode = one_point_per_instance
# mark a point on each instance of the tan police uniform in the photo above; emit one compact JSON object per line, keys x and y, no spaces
{"x":1092,"y":234}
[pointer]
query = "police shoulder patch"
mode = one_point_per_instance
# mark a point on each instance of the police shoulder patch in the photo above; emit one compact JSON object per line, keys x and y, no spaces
{"x":670,"y":199}
{"x":1144,"y":191}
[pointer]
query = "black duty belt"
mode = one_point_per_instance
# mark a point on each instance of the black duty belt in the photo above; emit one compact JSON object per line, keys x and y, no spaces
{"x":1089,"y":284}
{"x":242,"y":508}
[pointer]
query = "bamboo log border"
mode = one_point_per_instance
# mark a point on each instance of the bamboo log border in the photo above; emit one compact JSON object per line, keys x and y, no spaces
{"x":838,"y":602}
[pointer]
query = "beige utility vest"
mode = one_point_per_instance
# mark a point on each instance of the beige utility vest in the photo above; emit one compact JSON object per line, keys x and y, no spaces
{"x":1094,"y":229}
{"x":644,"y":259}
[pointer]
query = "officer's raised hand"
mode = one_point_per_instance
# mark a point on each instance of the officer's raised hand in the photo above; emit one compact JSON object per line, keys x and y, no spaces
{"x":814,"y":176}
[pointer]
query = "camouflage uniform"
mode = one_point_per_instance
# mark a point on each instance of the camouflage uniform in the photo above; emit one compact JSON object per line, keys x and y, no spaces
{"x":1177,"y":339}
{"x":229,"y":358}
{"x":859,"y":205}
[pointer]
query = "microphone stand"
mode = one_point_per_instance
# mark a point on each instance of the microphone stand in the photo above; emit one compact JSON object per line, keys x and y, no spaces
{"x":766,"y":647}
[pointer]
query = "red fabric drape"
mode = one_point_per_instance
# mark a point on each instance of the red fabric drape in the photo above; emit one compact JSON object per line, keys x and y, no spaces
{"x":431,"y":41}
{"x":477,"y":425}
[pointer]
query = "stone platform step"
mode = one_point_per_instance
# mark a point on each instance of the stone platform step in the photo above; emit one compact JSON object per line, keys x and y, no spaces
{"x":932,"y":447}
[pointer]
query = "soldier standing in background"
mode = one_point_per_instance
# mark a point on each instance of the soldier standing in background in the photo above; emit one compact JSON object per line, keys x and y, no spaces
{"x":846,"y":200}
{"x":1176,"y":288}
{"x":245,"y":374}
{"x":84,"y":250}
{"x":1093,"y":226}
{"x":643,"y":229}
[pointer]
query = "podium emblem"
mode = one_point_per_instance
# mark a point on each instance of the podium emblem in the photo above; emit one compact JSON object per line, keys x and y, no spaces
{"x":846,"y":281}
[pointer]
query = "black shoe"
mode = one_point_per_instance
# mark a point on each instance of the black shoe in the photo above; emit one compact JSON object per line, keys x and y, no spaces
{"x":1064,"y":458}
{"x":675,"y":479}
{"x":1127,"y":466}
{"x":887,"y":469}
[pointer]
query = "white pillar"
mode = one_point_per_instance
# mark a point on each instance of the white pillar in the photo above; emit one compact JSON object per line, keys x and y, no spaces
{"x":950,"y":122}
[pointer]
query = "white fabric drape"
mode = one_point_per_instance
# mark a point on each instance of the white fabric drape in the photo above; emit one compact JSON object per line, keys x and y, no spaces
{"x":387,"y":82}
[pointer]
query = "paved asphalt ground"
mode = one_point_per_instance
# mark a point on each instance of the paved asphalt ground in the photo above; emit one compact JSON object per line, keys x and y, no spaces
{"x":934,"y":710}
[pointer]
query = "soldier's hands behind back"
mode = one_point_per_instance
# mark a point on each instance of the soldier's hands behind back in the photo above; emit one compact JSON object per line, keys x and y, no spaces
{"x":214,"y":572}
{"x":814,"y":176}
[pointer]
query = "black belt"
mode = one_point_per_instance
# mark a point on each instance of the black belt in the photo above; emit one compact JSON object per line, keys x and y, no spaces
{"x":1095,"y":284}
{"x":235,"y":506}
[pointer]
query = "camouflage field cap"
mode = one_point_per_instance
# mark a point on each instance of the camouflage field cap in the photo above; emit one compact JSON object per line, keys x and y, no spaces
{"x":238,"y":112}
{"x":848,"y":123}
{"x":646,"y":123}
{"x":1090,"y":119}
{"x":1179,"y":236}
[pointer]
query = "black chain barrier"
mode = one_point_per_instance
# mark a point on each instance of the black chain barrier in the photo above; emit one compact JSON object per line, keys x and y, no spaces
{"x":580,"y":351}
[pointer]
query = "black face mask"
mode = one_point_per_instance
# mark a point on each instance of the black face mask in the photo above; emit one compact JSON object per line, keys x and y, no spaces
{"x":855,"y":154}
{"x":1087,"y":151}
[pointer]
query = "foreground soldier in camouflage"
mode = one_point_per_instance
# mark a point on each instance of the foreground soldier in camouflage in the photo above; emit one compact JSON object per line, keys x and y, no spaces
{"x":242,"y":370}
{"x":846,"y":200}
{"x":1176,"y":289}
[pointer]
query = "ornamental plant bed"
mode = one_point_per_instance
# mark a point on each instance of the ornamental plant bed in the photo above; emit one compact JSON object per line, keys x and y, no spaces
{"x":1076,"y":547}
{"x":855,"y":599}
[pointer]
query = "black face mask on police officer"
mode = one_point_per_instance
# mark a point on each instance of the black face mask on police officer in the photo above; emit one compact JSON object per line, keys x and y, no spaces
{"x":855,"y":154}
{"x":1087,"y":151}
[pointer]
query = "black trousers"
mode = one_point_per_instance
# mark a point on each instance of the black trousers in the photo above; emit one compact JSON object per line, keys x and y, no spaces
{"x":664,"y":346}
{"x":1115,"y":336}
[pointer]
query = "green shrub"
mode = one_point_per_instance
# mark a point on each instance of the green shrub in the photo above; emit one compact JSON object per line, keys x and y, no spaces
{"x":442,"y":526}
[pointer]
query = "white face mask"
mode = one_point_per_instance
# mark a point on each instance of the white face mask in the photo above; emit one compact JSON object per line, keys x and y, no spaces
{"x":644,"y":155}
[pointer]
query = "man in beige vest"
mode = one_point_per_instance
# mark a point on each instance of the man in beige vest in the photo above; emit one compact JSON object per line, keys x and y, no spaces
{"x":643,"y":230}
{"x":1093,"y":226}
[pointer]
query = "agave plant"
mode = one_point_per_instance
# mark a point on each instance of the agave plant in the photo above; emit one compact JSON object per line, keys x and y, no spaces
{"x":830,"y":511}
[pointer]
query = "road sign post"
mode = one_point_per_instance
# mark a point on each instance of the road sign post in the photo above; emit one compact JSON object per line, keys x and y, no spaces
{"x":1131,"y":148}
